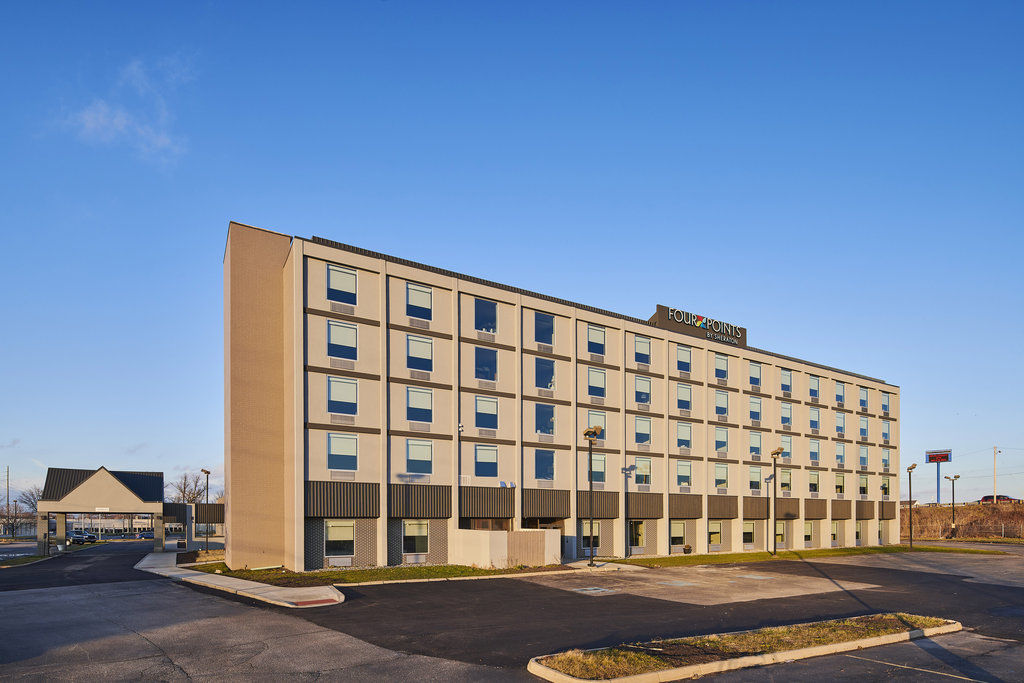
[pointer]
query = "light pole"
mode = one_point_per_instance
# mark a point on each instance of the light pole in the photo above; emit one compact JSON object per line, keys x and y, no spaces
{"x":910,"y":501}
{"x":591,"y":434}
{"x":775,"y":495}
{"x":206,"y":526}
{"x":952,"y":503}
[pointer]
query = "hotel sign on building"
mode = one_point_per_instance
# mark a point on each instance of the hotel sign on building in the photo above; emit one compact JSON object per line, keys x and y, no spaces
{"x":702,"y":326}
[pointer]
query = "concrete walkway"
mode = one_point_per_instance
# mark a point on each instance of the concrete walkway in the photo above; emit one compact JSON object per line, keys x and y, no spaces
{"x":165,"y":564}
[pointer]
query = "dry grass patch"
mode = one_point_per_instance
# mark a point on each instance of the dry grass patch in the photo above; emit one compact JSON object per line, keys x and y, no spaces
{"x":656,"y":655}
{"x":327,"y":577}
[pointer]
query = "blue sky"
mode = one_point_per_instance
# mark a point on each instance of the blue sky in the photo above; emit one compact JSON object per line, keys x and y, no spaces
{"x":843,"y":180}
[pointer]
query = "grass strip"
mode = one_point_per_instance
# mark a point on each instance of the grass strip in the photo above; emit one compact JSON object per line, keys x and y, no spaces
{"x":728,"y":558}
{"x":327,"y":577}
{"x":24,"y":559}
{"x":657,"y":655}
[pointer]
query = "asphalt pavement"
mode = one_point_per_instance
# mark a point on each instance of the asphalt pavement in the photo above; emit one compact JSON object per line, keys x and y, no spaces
{"x":104,"y":563}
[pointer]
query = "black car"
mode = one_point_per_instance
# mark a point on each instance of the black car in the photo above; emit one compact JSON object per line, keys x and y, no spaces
{"x":81,"y":537}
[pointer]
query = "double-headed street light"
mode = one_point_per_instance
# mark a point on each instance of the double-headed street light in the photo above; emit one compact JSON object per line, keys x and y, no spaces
{"x":775,"y":494}
{"x":591,"y":434}
{"x":952,"y":503}
{"x":910,"y":501}
{"x":207,"y":524}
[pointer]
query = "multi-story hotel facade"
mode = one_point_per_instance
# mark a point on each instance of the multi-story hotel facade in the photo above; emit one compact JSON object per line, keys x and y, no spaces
{"x":382,"y":412}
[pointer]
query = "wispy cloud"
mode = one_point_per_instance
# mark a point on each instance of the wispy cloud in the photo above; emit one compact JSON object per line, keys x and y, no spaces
{"x":132,"y":450}
{"x":136,"y":112}
{"x":10,"y":444}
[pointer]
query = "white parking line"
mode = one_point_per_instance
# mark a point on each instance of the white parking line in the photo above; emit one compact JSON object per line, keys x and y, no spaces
{"x":914,"y":668}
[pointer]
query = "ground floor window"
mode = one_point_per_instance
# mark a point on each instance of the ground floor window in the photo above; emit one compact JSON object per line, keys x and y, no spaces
{"x":808,"y":531}
{"x":748,"y":532}
{"x":858,"y":531}
{"x":780,"y":533}
{"x":590,"y":540}
{"x":636,"y":533}
{"x":339,"y":537}
{"x":835,"y":531}
{"x":677,"y":532}
{"x":485,"y":523}
{"x":714,"y":533}
{"x":414,"y":535}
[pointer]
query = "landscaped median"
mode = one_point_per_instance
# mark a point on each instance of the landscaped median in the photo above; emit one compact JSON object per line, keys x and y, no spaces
{"x":670,"y":660}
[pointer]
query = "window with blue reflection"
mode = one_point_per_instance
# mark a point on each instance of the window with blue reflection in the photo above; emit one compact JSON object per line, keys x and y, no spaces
{"x":683,"y":435}
{"x":545,"y":418}
{"x":418,"y":301}
{"x":815,"y":418}
{"x":341,"y":285}
{"x":721,"y":366}
{"x":683,"y":358}
{"x":683,"y":473}
{"x":755,"y":443}
{"x":786,"y":381}
{"x":787,"y":446}
{"x":342,"y":452}
{"x":544,"y":373}
{"x":595,"y":339}
{"x":721,"y":439}
{"x":486,"y":412}
{"x":643,"y":471}
{"x":755,"y":408}
{"x":341,"y":395}
{"x":419,"y":456}
{"x":643,"y":390}
{"x":683,"y":396}
{"x":486,"y":367}
{"x":341,"y":340}
{"x":721,"y":403}
{"x":486,"y":461}
{"x":596,"y":382}
{"x":598,"y":468}
{"x":419,"y":353}
{"x":643,"y":429}
{"x":544,"y":465}
{"x":543,"y":328}
{"x":642,"y":350}
{"x":814,"y":386}
{"x":485,"y":315}
{"x":419,"y":405}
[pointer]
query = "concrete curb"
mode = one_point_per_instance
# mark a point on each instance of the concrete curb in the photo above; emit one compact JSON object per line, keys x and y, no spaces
{"x":164,"y":565}
{"x":557,"y":572}
{"x":695,"y":670}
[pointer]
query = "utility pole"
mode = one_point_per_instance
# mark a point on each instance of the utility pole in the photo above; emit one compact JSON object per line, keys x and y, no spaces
{"x":995,"y":451}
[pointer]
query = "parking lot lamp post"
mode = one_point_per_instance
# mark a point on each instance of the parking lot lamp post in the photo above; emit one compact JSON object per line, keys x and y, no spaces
{"x":206,"y":526}
{"x":591,"y":434}
{"x":775,"y":494}
{"x":910,"y":501}
{"x":952,"y":503}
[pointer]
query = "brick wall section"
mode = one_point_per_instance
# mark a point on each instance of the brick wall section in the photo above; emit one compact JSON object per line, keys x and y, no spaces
{"x":394,"y":542}
{"x":314,"y":543}
{"x":366,"y":543}
{"x":437,"y":543}
{"x":605,"y":540}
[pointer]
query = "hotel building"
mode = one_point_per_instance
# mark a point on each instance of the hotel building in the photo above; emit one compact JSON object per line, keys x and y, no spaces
{"x":381,"y":412}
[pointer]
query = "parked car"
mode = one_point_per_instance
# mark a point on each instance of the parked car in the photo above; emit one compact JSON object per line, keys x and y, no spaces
{"x":999,"y":499}
{"x":144,"y":534}
{"x":81,"y":537}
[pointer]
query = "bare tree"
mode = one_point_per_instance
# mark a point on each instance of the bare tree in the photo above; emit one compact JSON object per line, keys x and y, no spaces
{"x":188,"y":488}
{"x":28,"y":499}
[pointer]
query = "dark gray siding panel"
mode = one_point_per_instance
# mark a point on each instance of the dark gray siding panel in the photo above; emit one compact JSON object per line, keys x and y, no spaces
{"x":787,"y":508}
{"x":209,"y":514}
{"x":606,"y":504}
{"x":314,"y":545}
{"x":644,"y":506}
{"x":887,"y":510}
{"x":865,"y":509}
{"x":815,"y":508}
{"x":342,"y":499}
{"x":685,"y":506}
{"x":755,"y":507}
{"x":841,"y":509}
{"x":546,"y":503}
{"x":490,"y":502}
{"x":175,"y":513}
{"x":420,"y":501}
{"x":723,"y":507}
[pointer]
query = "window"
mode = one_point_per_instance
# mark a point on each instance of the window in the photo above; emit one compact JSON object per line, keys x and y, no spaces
{"x":643,"y":429}
{"x":885,"y":486}
{"x":755,"y":374}
{"x":721,"y":439}
{"x":339,"y":538}
{"x":721,"y":475}
{"x":780,"y":533}
{"x":683,"y":473}
{"x":420,"y":353}
{"x":342,"y":452}
{"x":721,"y":366}
{"x":683,"y":432}
{"x":341,"y":395}
{"x":786,"y":480}
{"x":683,"y":358}
{"x":643,"y":390}
{"x":543,"y":328}
{"x":714,"y":533}
{"x":755,"y":478}
{"x":545,"y":418}
{"x":815,"y":418}
{"x":787,"y":446}
{"x":808,"y":531}
{"x":544,"y":465}
{"x":721,"y":403}
{"x":755,"y":443}
{"x":418,"y":301}
{"x":590,"y":540}
{"x":755,"y":408}
{"x":815,"y":450}
{"x":636,"y":533}
{"x":885,"y":430}
{"x":485,"y":315}
{"x":683,"y":396}
{"x":596,"y":382}
{"x":863,"y":428}
{"x":598,"y":467}
{"x":486,"y":364}
{"x":840,"y":423}
{"x":885,"y":401}
{"x":886,"y":453}
{"x":486,"y":412}
{"x":857,"y":532}
{"x":863,"y":456}
{"x":863,"y":398}
{"x":840,"y":484}
{"x":595,"y":418}
{"x":595,"y":339}
{"x":643,"y":471}
{"x":748,"y":533}
{"x":419,"y":456}
{"x":677,"y":532}
{"x":544,"y":375}
{"x":835,"y":531}
{"x":341,"y":285}
{"x":414,"y":536}
{"x":486,"y":461}
{"x":341,"y":340}
{"x":642,"y":350}
{"x":815,"y":385}
{"x":840,"y":392}
{"x":419,"y":405}
{"x":840,"y":454}
{"x":863,"y":485}
{"x":812,"y":482}
{"x":786,"y":381}
{"x":787,"y":414}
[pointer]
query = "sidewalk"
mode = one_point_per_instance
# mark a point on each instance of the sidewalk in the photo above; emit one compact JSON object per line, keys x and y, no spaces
{"x":165,"y":565}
